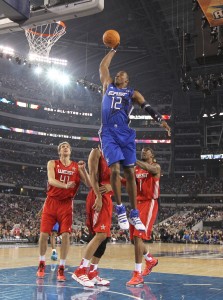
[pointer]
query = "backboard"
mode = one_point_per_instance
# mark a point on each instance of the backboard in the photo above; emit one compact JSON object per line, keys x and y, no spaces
{"x":47,"y":11}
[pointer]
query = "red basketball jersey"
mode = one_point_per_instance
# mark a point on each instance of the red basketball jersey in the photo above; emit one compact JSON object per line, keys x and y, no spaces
{"x":147,"y":185}
{"x":64,"y":174}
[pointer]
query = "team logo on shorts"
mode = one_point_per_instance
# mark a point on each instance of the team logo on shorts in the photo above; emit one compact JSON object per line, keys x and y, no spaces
{"x":103,"y":227}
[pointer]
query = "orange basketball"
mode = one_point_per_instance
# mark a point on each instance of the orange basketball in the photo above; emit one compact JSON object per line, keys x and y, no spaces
{"x":111,"y":38}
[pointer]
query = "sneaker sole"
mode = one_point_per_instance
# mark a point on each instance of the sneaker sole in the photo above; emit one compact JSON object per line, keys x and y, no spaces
{"x":124,"y":227}
{"x":132,"y":223}
{"x":98,"y":284}
{"x":80,"y":281}
{"x":61,"y":280}
{"x":135,"y":285}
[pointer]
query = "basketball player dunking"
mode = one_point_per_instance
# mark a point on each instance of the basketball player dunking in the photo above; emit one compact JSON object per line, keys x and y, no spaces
{"x":118,"y":139}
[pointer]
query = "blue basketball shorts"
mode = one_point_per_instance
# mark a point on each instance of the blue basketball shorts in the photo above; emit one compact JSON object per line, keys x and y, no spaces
{"x":118,"y":144}
{"x":56,"y":227}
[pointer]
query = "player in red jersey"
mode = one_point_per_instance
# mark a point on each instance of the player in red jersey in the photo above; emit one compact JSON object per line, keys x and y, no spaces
{"x":147,"y":173}
{"x":99,"y":209}
{"x":64,"y":176}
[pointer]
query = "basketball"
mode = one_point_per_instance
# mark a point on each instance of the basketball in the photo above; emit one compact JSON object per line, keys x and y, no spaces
{"x":111,"y":38}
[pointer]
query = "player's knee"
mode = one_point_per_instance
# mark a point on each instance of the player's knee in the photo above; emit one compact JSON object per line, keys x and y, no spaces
{"x":115,"y":174}
{"x":101,"y":249}
{"x":129,"y":174}
{"x":44,"y":236}
{"x":65,"y":235}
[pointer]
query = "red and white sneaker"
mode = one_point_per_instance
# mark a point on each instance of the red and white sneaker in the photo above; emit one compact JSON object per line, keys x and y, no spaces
{"x":136,"y":280}
{"x":41,"y":269}
{"x":81,"y":276}
{"x":60,"y":274}
{"x":97,"y":280}
{"x":149,"y":266}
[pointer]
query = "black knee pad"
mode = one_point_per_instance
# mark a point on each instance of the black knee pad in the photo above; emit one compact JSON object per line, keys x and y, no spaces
{"x":101,"y":249}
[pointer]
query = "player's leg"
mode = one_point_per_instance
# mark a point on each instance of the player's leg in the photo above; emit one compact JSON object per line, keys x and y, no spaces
{"x":65,"y":220}
{"x":45,"y":230}
{"x":116,"y":187}
{"x":151,"y":262}
{"x":130,"y":184}
{"x":116,"y":182}
{"x":128,"y":167}
{"x":81,"y":273}
{"x":99,"y":225}
{"x":151,"y":207}
{"x":137,"y":279}
{"x":113,"y":155}
{"x":105,"y":221}
{"x":93,"y":273}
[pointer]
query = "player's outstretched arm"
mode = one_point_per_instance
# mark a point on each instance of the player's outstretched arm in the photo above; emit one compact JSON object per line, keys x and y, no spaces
{"x":104,"y":69}
{"x":139,"y":99}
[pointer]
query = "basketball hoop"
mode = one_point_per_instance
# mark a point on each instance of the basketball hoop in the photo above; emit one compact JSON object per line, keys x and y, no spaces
{"x":41,"y":38}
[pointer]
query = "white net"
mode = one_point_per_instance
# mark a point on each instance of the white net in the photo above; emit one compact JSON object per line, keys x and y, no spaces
{"x":42,"y":37}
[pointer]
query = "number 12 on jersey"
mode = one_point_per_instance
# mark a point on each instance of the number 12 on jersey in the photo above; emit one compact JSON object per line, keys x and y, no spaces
{"x":116,"y":101}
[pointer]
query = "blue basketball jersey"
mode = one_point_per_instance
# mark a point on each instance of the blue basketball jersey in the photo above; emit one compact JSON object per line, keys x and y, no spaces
{"x":117,"y":105}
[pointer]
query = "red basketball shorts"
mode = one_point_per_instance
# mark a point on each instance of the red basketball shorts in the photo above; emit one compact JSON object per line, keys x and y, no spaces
{"x":147,"y":211}
{"x":99,"y":221}
{"x":60,"y":211}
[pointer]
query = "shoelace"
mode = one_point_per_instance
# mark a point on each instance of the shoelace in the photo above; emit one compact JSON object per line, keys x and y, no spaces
{"x":122,"y":218}
{"x":136,"y":220}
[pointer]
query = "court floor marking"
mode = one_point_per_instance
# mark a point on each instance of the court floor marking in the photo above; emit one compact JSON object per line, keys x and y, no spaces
{"x":198,"y":284}
{"x":70,"y":287}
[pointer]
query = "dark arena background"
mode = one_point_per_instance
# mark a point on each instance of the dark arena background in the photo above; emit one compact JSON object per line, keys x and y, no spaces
{"x":50,"y":92}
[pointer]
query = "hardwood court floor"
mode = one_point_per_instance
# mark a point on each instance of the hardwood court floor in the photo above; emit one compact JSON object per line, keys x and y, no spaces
{"x":201,"y":260}
{"x":184,"y":272}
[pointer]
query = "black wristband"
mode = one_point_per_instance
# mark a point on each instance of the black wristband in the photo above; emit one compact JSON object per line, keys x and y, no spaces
{"x":152,"y":112}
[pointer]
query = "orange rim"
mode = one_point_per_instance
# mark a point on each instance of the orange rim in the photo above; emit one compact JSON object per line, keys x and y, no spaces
{"x":47,"y":34}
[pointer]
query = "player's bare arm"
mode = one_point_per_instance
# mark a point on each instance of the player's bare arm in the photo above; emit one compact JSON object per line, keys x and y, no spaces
{"x":53,"y":181}
{"x":83,"y":173}
{"x":93,"y":162}
{"x":140,"y":100}
{"x":104,"y":70}
{"x":153,"y":169}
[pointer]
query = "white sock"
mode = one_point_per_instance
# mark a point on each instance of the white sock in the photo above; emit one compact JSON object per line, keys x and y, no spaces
{"x":138,"y":268}
{"x":84,"y":263}
{"x":62,"y":262}
{"x":42,"y":258}
{"x":147,"y":256}
{"x":54,"y":250}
